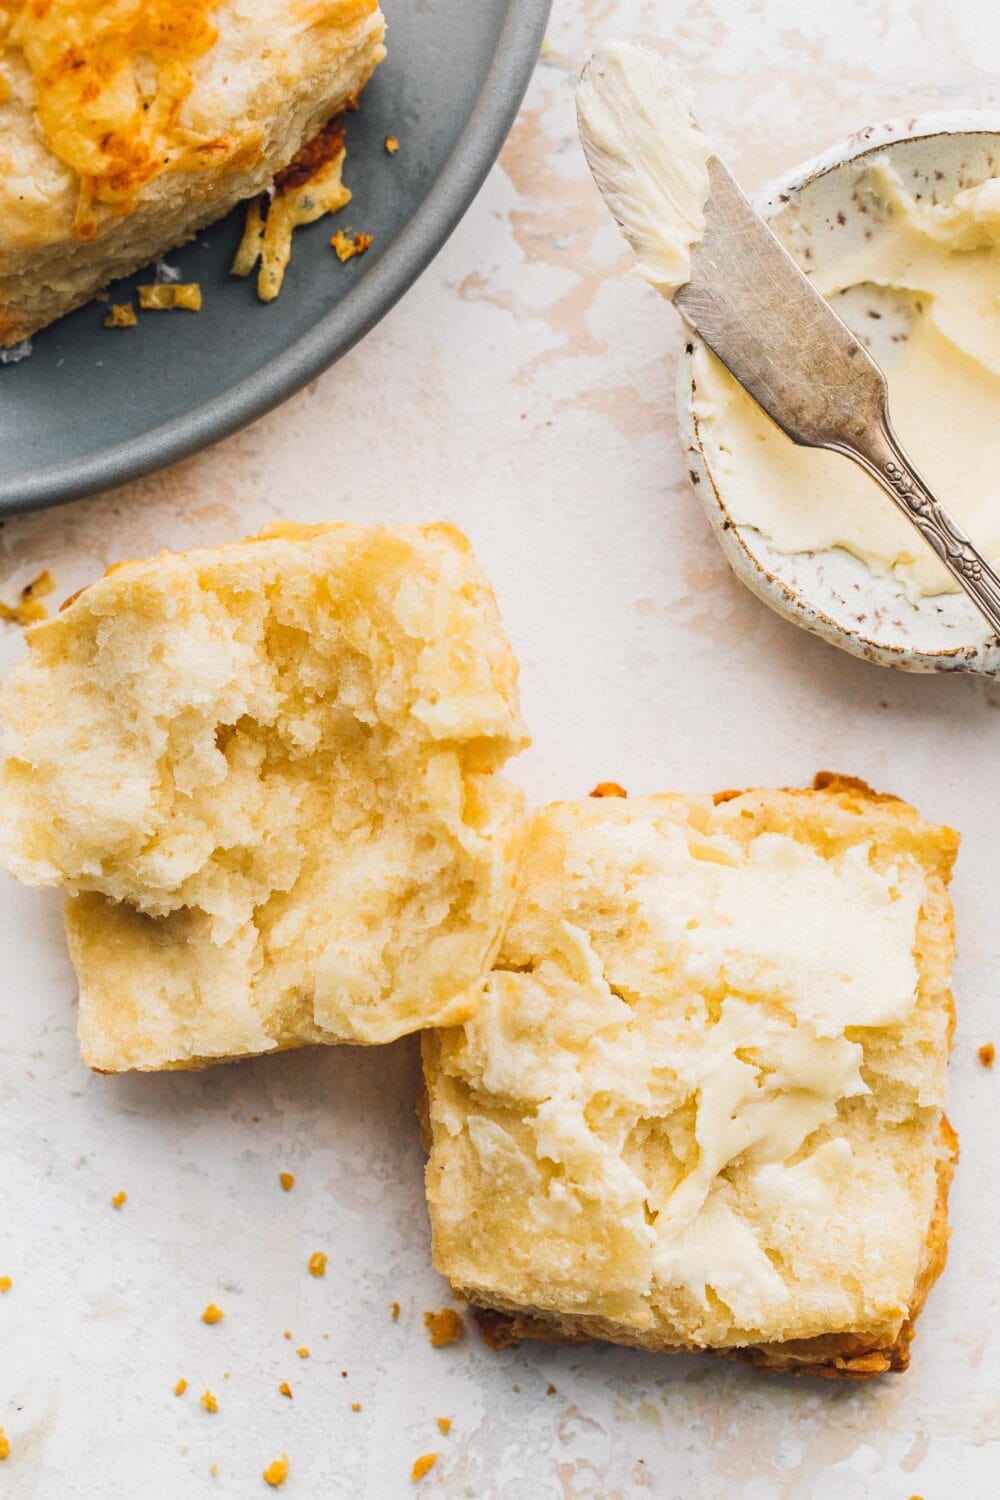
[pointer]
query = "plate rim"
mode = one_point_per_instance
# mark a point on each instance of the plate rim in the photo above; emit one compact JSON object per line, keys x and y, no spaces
{"x":407,"y":257}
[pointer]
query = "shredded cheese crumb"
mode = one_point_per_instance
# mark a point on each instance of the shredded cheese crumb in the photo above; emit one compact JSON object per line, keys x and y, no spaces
{"x":180,"y":1387}
{"x":394,"y":1312}
{"x":29,"y":606}
{"x":608,"y":789}
{"x":303,"y":1353}
{"x":391,"y":144}
{"x":4,"y":1445}
{"x":213,"y":1469}
{"x":307,"y":188}
{"x":348,"y":244}
{"x":317,"y":1263}
{"x":6,"y":1282}
{"x":287,"y":1180}
{"x":444,"y":1425}
{"x":165,"y":296}
{"x":285,"y":1389}
{"x":444,"y":1327}
{"x":422,"y":1465}
{"x":121,"y":315}
{"x":209,"y":1402}
{"x":119,"y":1199}
{"x":277,"y":1472}
{"x":212,"y":1314}
{"x":987,"y":1054}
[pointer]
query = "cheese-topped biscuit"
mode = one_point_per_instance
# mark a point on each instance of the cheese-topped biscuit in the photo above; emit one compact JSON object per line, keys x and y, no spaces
{"x":701,"y":1104}
{"x":266,"y":773}
{"x":127,"y":125}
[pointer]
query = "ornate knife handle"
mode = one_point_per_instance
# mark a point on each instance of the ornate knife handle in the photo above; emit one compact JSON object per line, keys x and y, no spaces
{"x":883,"y":458}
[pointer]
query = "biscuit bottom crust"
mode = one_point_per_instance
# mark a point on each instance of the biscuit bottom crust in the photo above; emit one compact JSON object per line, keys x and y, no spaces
{"x":848,"y":1356}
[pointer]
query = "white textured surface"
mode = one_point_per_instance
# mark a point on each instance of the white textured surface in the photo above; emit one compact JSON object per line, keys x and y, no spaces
{"x":523,"y":389}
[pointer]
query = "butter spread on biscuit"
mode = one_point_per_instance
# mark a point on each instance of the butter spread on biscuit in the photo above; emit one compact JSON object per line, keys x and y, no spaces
{"x":648,"y":157}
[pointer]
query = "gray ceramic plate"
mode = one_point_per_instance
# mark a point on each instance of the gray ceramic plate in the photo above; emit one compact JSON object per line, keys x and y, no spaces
{"x":91,"y":408}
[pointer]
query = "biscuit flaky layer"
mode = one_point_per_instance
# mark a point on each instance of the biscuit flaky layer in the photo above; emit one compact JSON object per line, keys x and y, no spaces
{"x":266,"y":775}
{"x":701,"y":1104}
{"x":126,"y":127}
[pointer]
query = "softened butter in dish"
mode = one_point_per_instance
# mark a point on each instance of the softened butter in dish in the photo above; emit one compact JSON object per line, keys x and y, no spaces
{"x":943,"y":368}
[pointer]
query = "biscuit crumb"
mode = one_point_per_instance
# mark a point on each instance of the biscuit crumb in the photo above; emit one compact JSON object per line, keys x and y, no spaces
{"x":164,"y":296}
{"x":394,"y":1311}
{"x":987,"y":1054}
{"x":29,"y":606}
{"x":444,"y":1425}
{"x":347,"y":243}
{"x":355,"y":1406}
{"x":444,"y":1327}
{"x":317,"y":1263}
{"x":6,"y":1282}
{"x":422,"y":1465}
{"x":277,"y":1471}
{"x":287,"y":1180}
{"x":550,"y":1389}
{"x":608,"y":789}
{"x":180,"y":1387}
{"x":119,"y":1199}
{"x":303,"y":1353}
{"x":287,"y":1333}
{"x":391,"y":144}
{"x":121,"y":315}
{"x":4,"y":1445}
{"x":212,"y":1314}
{"x":285,"y":1389}
{"x":209,"y":1402}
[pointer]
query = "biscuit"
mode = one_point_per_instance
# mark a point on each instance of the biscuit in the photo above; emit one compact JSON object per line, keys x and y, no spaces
{"x":701,"y":1104}
{"x":123,"y":134}
{"x":266,"y":774}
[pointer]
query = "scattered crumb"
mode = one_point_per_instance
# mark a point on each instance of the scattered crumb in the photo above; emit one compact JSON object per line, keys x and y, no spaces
{"x":180,"y":1387}
{"x":121,"y":315}
{"x":4,"y":1445}
{"x":212,"y":1314}
{"x":550,"y":1389}
{"x":287,"y":1333}
{"x":391,"y":144}
{"x":287,"y":1180}
{"x":209,"y":1402}
{"x":226,"y":1375}
{"x":422,"y":1465}
{"x":516,"y":1388}
{"x":165,"y":296}
{"x":394,"y":1311}
{"x":303,"y":1353}
{"x":6,"y":1282}
{"x":119,"y":1199}
{"x":285,"y":1389}
{"x":608,"y":789}
{"x":343,"y":1374}
{"x":445,"y":1327}
{"x":348,"y":244}
{"x":277,"y":1472}
{"x":317,"y":1263}
{"x":444,"y":1425}
{"x":29,"y":606}
{"x":987,"y":1054}
{"x":213,"y":1469}
{"x":355,"y":1406}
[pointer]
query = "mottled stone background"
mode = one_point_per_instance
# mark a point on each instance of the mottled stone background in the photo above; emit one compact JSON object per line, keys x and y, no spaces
{"x":523,"y":389}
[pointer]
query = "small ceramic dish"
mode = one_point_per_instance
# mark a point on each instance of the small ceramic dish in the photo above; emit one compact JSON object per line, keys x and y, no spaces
{"x":831,"y":592}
